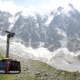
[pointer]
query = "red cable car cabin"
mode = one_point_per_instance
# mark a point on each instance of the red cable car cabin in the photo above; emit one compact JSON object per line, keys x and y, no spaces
{"x":9,"y":66}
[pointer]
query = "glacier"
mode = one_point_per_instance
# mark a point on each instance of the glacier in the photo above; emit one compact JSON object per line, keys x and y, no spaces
{"x":61,"y":58}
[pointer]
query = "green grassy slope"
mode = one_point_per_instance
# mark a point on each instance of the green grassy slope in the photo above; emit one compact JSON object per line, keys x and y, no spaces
{"x":52,"y":73}
{"x":36,"y":70}
{"x":1,"y":56}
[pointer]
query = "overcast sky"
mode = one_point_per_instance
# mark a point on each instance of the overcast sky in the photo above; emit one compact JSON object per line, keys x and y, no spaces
{"x":36,"y":5}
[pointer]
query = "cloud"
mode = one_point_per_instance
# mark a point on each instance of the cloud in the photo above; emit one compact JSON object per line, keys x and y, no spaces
{"x":43,"y":6}
{"x":9,"y":6}
{"x":53,"y":4}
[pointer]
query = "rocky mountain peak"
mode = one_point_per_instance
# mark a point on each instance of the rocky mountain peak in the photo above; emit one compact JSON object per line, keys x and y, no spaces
{"x":60,"y":30}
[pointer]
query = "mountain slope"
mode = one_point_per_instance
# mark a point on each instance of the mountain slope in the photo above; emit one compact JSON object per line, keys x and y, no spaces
{"x":37,"y":70}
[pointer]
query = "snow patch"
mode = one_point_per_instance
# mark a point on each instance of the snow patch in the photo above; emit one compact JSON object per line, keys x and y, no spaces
{"x":50,"y":18}
{"x":17,"y":48}
{"x":61,"y":32}
{"x":12,"y":21}
{"x":65,"y":60}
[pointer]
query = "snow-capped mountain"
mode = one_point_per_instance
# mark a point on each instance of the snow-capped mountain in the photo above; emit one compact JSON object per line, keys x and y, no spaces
{"x":52,"y":38}
{"x":55,"y":30}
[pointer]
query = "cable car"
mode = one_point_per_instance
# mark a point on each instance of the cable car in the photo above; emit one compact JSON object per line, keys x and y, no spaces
{"x":8,"y":65}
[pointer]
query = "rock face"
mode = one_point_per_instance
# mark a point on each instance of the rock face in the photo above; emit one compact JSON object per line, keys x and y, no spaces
{"x":53,"y":30}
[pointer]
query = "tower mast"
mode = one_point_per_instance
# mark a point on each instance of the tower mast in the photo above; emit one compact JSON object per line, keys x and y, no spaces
{"x":9,"y":35}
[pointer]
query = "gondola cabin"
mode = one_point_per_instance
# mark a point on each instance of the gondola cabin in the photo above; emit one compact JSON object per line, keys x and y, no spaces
{"x":10,"y":66}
